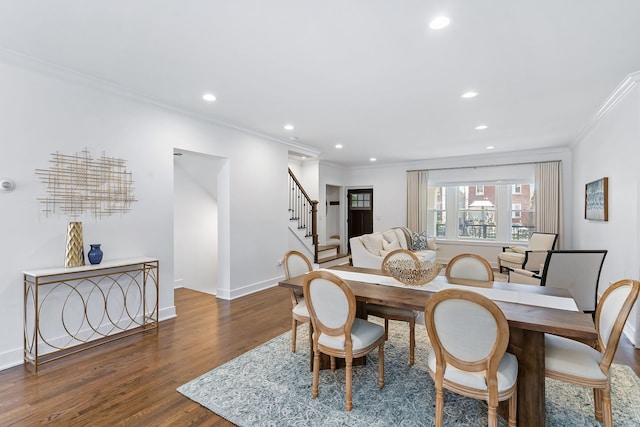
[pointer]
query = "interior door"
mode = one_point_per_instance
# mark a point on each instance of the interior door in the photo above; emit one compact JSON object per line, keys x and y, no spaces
{"x":360,"y":212}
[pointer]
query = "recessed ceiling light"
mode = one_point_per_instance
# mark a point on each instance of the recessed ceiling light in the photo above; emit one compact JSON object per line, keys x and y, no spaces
{"x":439,"y":23}
{"x":372,"y":159}
{"x":338,"y":146}
{"x":288,"y":127}
{"x":209,"y":97}
{"x":490,"y":147}
{"x":481,"y":127}
{"x":470,"y":94}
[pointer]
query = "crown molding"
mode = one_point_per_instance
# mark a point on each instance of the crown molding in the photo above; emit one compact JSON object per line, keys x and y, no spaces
{"x":503,"y":158}
{"x":628,"y":84}
{"x":76,"y":77}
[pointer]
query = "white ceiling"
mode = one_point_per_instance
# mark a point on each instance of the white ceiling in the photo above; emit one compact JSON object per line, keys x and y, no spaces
{"x":368,"y":74}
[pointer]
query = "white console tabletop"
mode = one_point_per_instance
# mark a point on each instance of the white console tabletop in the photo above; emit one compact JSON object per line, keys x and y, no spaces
{"x":53,"y":271}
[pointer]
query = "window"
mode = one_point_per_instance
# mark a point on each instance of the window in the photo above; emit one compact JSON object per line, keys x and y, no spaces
{"x":439,"y":213}
{"x":361,"y":201}
{"x":516,"y":210}
{"x":482,"y":212}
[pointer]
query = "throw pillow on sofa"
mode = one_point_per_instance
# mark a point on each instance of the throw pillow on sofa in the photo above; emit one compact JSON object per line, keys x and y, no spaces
{"x":422,"y":242}
{"x":373,"y":242}
{"x":390,"y":236}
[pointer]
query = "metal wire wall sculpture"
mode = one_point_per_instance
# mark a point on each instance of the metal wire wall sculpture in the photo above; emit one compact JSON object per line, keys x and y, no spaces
{"x":79,"y":184}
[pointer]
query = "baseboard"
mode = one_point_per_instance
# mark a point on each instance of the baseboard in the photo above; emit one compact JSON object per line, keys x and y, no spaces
{"x":227,"y":294}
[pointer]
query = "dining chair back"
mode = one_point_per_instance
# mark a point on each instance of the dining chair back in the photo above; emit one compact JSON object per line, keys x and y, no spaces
{"x":578,"y":363}
{"x":469,"y":335}
{"x":469,"y":266}
{"x":336,"y":330}
{"x":296,"y":264}
{"x":395,"y":313}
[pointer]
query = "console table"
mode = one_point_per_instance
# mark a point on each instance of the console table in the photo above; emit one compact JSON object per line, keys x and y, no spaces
{"x":68,"y":310}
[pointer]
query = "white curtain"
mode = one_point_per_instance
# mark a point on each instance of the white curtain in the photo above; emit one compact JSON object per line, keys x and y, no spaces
{"x":548,"y":199}
{"x":417,"y":200}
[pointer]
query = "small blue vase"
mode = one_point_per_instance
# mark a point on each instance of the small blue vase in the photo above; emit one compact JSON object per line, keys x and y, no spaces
{"x":95,"y":254}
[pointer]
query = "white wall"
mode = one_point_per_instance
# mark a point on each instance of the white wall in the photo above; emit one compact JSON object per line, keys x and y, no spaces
{"x":43,"y":110}
{"x":611,"y":148}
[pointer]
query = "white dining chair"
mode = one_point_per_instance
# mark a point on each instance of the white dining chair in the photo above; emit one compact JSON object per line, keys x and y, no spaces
{"x":336,"y":330}
{"x":469,"y":266}
{"x":394,"y":313}
{"x":296,"y":264}
{"x":469,"y":335}
{"x":578,"y":363}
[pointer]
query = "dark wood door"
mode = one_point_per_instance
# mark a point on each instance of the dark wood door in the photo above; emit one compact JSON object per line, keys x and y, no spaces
{"x":360,"y":212}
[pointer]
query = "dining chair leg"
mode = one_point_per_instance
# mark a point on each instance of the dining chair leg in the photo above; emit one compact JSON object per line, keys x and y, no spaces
{"x":333,"y":363}
{"x":412,"y":340}
{"x":294,"y":329}
{"x":492,"y":416}
{"x":439,"y":407}
{"x":607,"y":416}
{"x":513,"y":408}
{"x":386,"y":329}
{"x":349,"y":362}
{"x":381,"y":365}
{"x":597,"y":403}
{"x":316,"y":374}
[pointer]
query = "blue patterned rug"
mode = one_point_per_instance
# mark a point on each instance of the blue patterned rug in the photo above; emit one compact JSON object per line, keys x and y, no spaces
{"x":270,"y":386}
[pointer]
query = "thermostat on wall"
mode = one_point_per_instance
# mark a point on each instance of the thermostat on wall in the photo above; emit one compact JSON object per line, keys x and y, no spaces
{"x":7,"y":185}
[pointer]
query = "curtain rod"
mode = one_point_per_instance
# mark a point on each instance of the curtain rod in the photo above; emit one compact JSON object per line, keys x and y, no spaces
{"x":482,"y":166}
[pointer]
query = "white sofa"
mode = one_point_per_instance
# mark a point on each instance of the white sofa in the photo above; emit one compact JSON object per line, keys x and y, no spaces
{"x":369,"y":250}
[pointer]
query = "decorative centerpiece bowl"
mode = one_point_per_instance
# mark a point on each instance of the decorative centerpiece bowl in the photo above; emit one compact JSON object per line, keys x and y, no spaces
{"x":412,"y":273}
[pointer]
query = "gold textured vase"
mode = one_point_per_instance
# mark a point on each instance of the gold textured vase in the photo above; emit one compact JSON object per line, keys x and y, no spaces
{"x":74,"y":256}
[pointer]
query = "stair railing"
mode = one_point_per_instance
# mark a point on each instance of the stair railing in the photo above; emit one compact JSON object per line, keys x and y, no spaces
{"x":305,"y":211}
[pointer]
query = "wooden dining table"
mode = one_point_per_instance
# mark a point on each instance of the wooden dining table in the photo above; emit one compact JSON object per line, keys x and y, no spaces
{"x":527,"y":326}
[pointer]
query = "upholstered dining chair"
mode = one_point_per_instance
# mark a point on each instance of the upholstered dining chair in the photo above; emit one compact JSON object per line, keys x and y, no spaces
{"x":336,"y":330}
{"x":296,"y":264}
{"x":393,"y":313}
{"x":578,"y":271}
{"x":469,"y":335}
{"x":469,"y":266}
{"x":530,"y":257}
{"x":577,"y":363}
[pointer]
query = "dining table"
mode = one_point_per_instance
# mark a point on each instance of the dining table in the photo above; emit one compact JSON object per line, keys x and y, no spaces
{"x":531,"y":311}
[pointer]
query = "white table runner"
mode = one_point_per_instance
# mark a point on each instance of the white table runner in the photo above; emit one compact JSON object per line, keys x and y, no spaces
{"x":440,"y":283}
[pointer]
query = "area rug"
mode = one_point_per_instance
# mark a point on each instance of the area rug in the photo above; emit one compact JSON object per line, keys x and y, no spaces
{"x":271,"y":386}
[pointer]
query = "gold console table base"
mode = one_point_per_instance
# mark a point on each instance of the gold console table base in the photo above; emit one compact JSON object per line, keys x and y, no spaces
{"x":69,"y":310}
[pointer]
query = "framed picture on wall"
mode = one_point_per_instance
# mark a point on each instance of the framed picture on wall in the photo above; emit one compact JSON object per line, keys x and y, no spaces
{"x":595,"y":200}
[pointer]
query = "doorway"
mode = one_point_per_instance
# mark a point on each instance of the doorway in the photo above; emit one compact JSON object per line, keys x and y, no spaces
{"x":196,"y":220}
{"x":359,"y":212}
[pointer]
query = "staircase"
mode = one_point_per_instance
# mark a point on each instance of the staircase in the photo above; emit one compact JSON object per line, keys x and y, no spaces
{"x":303,"y":220}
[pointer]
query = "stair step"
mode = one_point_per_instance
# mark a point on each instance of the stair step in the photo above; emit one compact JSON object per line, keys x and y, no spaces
{"x":335,"y":260}
{"x":328,"y":247}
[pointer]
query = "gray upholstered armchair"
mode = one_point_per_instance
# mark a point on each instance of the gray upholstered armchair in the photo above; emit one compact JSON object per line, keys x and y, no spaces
{"x":530,"y":257}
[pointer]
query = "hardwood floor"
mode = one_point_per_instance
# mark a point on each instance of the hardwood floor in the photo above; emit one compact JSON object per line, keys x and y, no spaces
{"x":132,"y":382}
